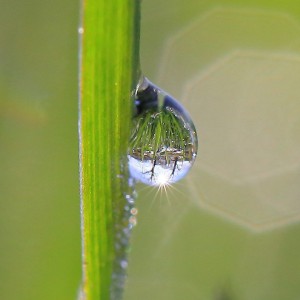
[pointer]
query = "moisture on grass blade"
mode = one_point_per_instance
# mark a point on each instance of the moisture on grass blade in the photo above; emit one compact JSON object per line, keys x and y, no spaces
{"x":109,"y":69}
{"x":163,"y":144}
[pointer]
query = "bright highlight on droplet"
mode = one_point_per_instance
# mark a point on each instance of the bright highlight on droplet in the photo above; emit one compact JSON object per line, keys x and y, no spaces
{"x":162,"y":179}
{"x":163,"y":143}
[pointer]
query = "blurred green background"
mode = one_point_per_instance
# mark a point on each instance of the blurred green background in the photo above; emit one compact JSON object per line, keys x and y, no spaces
{"x":39,"y":216}
{"x":230,"y":230}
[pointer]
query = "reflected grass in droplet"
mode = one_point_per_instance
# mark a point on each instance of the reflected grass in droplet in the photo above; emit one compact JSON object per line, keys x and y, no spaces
{"x":163,"y":143}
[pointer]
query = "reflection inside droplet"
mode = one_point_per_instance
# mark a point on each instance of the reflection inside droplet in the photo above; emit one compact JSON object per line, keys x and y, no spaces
{"x":163,"y":143}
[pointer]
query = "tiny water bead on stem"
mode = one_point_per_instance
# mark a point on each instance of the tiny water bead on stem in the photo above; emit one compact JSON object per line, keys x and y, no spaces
{"x":163,"y":143}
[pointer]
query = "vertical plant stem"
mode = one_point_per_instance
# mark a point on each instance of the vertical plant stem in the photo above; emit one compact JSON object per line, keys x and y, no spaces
{"x":108,"y":73}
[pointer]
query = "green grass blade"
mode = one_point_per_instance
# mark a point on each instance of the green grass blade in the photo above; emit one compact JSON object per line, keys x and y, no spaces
{"x":109,"y":70}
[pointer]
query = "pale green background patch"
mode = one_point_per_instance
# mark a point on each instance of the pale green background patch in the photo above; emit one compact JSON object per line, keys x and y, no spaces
{"x":230,"y":229}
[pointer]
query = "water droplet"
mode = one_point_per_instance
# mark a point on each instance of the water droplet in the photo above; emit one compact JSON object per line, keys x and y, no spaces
{"x":131,"y":182}
{"x":163,"y":143}
{"x":124,"y":264}
{"x":132,"y":221}
{"x":134,"y":211}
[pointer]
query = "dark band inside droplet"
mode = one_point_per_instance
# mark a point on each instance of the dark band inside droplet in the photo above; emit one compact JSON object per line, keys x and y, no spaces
{"x":146,"y":99}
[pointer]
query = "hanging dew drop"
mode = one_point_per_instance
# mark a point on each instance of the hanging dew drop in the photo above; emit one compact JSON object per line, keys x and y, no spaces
{"x":163,"y":143}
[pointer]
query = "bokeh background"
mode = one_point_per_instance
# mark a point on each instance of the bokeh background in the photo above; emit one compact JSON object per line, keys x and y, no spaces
{"x":230,"y":230}
{"x":39,"y":193}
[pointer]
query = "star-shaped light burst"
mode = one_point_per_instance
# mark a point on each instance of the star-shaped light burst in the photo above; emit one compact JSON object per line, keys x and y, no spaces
{"x":163,"y":179}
